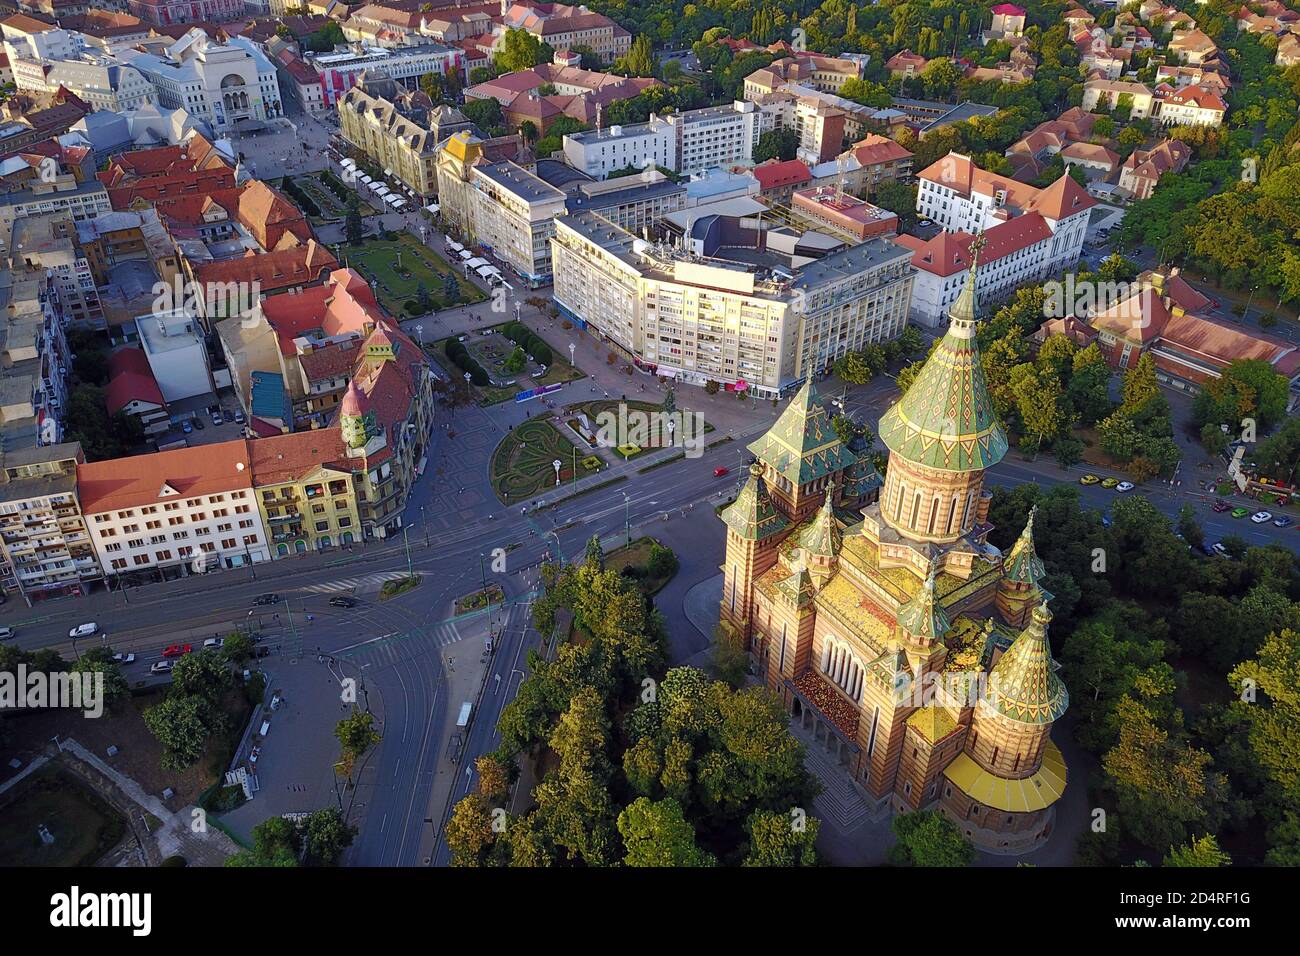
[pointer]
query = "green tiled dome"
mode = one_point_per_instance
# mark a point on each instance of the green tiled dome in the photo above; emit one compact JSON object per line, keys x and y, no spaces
{"x":1023,"y":684}
{"x":946,"y":419}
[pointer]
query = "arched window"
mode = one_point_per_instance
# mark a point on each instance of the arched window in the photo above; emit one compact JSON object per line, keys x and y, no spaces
{"x":934,"y":513}
{"x":916,"y":510}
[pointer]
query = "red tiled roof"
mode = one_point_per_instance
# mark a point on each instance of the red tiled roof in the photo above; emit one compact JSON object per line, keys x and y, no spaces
{"x":876,"y":149}
{"x":948,"y":253}
{"x":343,"y":304}
{"x":288,"y":457}
{"x":1008,"y":10}
{"x":1063,"y":198}
{"x":138,"y":479}
{"x":791,"y":172}
{"x":300,"y":265}
{"x":130,"y":379}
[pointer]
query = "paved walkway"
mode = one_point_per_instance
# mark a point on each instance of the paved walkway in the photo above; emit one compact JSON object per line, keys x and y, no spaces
{"x":176,"y":834}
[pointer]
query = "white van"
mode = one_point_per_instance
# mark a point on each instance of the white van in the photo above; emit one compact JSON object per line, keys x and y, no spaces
{"x":84,"y":630}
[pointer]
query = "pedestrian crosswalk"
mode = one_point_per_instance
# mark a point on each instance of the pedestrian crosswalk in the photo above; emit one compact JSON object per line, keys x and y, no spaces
{"x":402,"y":645}
{"x":368,"y":582}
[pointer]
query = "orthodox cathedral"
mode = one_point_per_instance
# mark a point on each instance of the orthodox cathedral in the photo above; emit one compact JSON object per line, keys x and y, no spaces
{"x":913,"y":649}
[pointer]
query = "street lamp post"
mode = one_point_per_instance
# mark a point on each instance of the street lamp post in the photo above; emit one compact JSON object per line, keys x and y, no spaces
{"x":572,"y":348}
{"x":410,"y":570}
{"x":627,"y":518}
{"x":425,"y":525}
{"x":556,"y":465}
{"x":559,"y":555}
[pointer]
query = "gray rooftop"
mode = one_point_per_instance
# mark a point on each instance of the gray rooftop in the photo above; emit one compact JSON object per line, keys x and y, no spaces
{"x":520,"y":182}
{"x":849,"y":262}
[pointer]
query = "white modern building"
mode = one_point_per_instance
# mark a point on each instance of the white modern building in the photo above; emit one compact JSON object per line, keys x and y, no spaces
{"x":686,"y":143}
{"x":700,"y":312}
{"x":177,"y":354}
{"x":103,"y":83}
{"x":500,"y":206}
{"x":339,"y":71}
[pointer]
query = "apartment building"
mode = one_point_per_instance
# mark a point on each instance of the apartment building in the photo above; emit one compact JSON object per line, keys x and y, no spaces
{"x":961,"y":197}
{"x":165,"y":13}
{"x":686,"y":143}
{"x":397,"y":137}
{"x":63,"y":194}
{"x":306,"y":491}
{"x":706,"y":314}
{"x":500,"y":206}
{"x":36,"y":360}
{"x":48,"y":242}
{"x":634,"y":203}
{"x":174,"y":512}
{"x":46,"y":547}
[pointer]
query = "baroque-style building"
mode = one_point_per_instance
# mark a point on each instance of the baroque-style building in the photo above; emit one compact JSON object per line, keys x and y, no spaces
{"x":915,"y":651}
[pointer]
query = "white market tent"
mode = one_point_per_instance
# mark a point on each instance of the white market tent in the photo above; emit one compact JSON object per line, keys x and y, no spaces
{"x":347,"y":164}
{"x":365,"y":179}
{"x":380,"y":189}
{"x":455,"y":246}
{"x":487,"y":270}
{"x":395,"y":200}
{"x":466,"y":255}
{"x":477,"y":262}
{"x":432,"y":207}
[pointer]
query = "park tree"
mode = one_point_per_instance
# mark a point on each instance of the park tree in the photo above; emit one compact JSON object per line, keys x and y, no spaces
{"x":1266,"y":693}
{"x":325,"y":835}
{"x":927,"y":838}
{"x":781,"y":839}
{"x":1202,"y":851}
{"x":205,"y":674}
{"x":177,"y":722}
{"x":116,"y":688}
{"x":276,"y":843}
{"x":1140,"y":385}
{"x":353,"y":227}
{"x":779,"y":144}
{"x":1163,"y":786}
{"x":656,"y":833}
{"x":469,"y":831}
{"x":520,"y":50}
{"x":640,"y":59}
{"x":356,"y":734}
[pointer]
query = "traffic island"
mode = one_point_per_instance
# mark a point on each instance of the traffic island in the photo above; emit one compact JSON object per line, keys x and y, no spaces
{"x":398,"y":586}
{"x":480,"y":599}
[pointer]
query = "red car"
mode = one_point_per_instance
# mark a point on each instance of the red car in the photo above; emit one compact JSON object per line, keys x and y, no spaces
{"x":177,"y":650}
{"x":720,"y":471}
{"x":1220,"y":506}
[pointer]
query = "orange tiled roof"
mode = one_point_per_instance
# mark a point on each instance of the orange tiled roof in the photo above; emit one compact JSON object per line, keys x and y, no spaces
{"x":138,"y":479}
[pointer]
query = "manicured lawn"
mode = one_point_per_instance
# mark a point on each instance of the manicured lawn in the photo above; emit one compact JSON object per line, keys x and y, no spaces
{"x":84,"y":827}
{"x":480,"y":599}
{"x":330,"y":205}
{"x":522,"y":464}
{"x":399,"y":266}
{"x":636,"y":557}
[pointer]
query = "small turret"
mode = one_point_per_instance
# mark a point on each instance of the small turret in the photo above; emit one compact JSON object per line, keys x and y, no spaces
{"x":922,"y":620}
{"x":1019,"y":590}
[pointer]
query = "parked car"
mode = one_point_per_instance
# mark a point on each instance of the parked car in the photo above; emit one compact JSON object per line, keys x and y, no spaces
{"x":6,"y":633}
{"x":343,"y":600}
{"x":214,"y":642}
{"x":1262,"y":517}
{"x":1240,"y":512}
{"x":1219,"y":549}
{"x":263,"y":600}
{"x":1089,"y":480}
{"x":1109,"y":482}
{"x":198,"y":423}
{"x":1124,"y":486}
{"x":84,"y":630}
{"x":1220,"y":506}
{"x":186,"y":427}
{"x":160,"y":667}
{"x":177,"y":650}
{"x":1282,"y":522}
{"x":217,"y":419}
{"x":720,"y":472}
{"x":127,"y":658}
{"x":239,"y":416}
